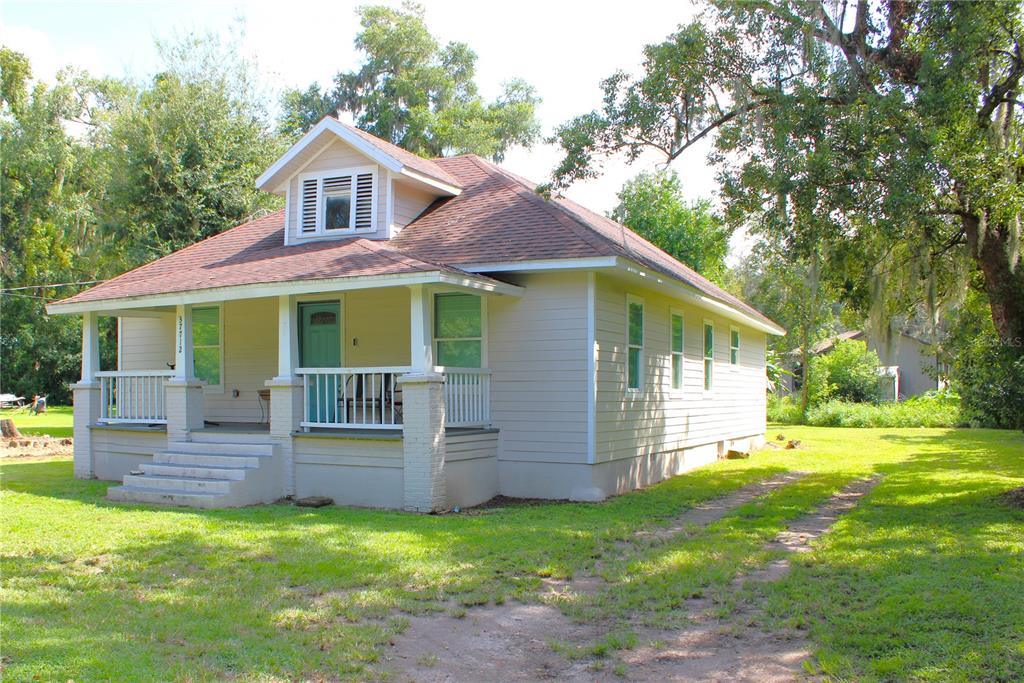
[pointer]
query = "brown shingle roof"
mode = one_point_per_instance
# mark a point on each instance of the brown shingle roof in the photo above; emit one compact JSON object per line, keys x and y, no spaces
{"x":413,"y":161}
{"x":500,"y":217}
{"x":252,"y":253}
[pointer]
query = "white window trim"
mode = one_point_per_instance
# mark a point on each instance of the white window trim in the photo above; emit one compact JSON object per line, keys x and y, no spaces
{"x":739,"y":345}
{"x":672,"y":353}
{"x":483,"y":325}
{"x":633,"y":299}
{"x":213,"y":388}
{"x":319,"y":176}
{"x":704,"y":357}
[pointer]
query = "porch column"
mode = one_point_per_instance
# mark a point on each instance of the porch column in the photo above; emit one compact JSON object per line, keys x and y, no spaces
{"x":184,"y":392}
{"x":422,"y":345}
{"x":423,"y":442}
{"x":86,"y":395}
{"x":286,"y":401}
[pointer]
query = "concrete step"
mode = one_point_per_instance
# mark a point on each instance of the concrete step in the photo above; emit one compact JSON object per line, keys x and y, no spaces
{"x":181,"y":484}
{"x":195,"y":471}
{"x":221,"y":448}
{"x":207,"y":460}
{"x":257,"y":438}
{"x":131,"y":494}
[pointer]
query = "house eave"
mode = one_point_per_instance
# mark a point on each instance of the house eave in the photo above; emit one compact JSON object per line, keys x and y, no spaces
{"x":259,"y":290}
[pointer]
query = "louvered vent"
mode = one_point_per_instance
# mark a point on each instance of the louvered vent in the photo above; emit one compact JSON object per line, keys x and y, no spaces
{"x":364,"y":202}
{"x":307,"y":221}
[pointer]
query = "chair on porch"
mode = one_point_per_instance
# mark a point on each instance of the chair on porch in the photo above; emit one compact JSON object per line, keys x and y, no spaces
{"x":371,"y":399}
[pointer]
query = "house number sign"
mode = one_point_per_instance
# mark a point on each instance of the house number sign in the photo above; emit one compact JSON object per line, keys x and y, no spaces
{"x":181,"y":334}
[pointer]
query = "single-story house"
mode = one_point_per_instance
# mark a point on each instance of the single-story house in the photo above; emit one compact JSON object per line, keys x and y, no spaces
{"x":908,"y":364}
{"x":415,"y":334}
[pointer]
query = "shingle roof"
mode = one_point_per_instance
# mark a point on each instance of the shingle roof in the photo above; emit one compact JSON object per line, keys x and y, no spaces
{"x":254,"y":252}
{"x":413,"y":161}
{"x":500,"y":217}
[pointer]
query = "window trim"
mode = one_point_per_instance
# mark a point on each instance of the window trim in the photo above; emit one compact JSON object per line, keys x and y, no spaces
{"x":708,"y":378}
{"x":211,"y":388}
{"x":681,"y":353}
{"x":434,"y":339}
{"x":735,"y":364}
{"x":630,"y":300}
{"x":353,"y":172}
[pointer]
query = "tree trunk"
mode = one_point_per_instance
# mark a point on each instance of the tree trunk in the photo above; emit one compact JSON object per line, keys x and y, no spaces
{"x":8,"y":429}
{"x":1004,"y":284}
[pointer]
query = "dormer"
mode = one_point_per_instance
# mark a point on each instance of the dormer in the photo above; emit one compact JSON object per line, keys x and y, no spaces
{"x":339,"y":181}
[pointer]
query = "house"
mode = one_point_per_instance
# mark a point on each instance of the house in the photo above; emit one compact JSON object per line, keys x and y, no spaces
{"x":909,"y":366}
{"x":414,"y":334}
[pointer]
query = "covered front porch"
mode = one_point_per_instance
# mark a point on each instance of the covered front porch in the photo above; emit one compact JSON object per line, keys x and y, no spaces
{"x":403,"y":364}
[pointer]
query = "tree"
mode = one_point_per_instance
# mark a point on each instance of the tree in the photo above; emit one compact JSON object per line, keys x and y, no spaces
{"x":418,"y":94}
{"x":900,"y":122}
{"x":849,"y":372}
{"x":652,"y":205}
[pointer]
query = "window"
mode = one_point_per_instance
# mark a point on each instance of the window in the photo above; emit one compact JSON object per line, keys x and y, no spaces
{"x":635,"y":339}
{"x":207,"y":344}
{"x":734,"y":346}
{"x":458,"y":330}
{"x":334,"y":201}
{"x":677,"y":351}
{"x":709,"y":355}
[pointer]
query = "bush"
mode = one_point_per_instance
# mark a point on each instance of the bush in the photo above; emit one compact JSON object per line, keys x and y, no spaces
{"x":849,"y":372}
{"x":934,"y":409}
{"x":990,"y":377}
{"x":784,"y":410}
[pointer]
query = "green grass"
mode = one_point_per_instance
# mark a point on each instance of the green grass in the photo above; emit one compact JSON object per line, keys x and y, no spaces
{"x":56,"y":421}
{"x":918,"y":583}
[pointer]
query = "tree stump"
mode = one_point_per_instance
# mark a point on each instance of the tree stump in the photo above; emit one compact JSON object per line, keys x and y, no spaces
{"x":8,"y":429}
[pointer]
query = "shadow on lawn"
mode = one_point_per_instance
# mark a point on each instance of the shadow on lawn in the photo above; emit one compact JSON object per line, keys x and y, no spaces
{"x":277,"y":588}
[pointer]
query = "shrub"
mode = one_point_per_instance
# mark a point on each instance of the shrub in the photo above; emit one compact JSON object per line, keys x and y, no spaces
{"x":849,"y":372}
{"x":990,"y":377}
{"x":934,"y":409}
{"x":784,"y":410}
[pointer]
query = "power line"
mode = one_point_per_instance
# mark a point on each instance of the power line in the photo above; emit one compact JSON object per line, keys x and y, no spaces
{"x":58,"y":284}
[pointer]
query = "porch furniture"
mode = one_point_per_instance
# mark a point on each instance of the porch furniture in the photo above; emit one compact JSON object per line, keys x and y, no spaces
{"x":11,"y":401}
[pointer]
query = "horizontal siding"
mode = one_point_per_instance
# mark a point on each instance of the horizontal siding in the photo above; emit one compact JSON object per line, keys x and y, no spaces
{"x":537,"y":353}
{"x":409,"y":203}
{"x":250,"y":359}
{"x":657,"y":419}
{"x":146,"y":343}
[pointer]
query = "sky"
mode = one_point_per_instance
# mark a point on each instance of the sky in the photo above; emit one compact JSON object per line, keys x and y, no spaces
{"x":563,"y":49}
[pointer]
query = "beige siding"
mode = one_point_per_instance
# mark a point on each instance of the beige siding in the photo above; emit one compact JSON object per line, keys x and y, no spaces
{"x":250,"y":359}
{"x":339,"y":155}
{"x":409,"y":203}
{"x":537,"y":350}
{"x":657,"y":419}
{"x":376,"y":327}
{"x":145,"y":343}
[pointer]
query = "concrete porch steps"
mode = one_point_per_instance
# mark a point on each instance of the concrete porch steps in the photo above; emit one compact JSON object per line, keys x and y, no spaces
{"x":219,"y":471}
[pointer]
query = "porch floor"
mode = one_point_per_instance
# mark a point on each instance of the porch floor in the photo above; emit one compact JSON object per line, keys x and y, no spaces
{"x":222,"y":427}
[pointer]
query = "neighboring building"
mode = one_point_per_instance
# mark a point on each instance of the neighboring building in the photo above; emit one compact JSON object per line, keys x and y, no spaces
{"x":414,"y":334}
{"x":909,"y":366}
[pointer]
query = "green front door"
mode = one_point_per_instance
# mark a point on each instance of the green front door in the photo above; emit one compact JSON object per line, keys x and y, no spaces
{"x":320,"y":347}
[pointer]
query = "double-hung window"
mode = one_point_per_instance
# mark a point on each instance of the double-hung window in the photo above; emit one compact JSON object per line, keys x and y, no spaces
{"x":635,"y":339}
{"x":677,"y":350}
{"x":458,"y":330}
{"x":709,"y":355}
{"x":332,"y":202}
{"x":208,"y":345}
{"x":734,"y":346}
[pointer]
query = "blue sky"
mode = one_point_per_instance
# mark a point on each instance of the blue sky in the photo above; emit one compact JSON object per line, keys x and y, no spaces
{"x":563,"y":48}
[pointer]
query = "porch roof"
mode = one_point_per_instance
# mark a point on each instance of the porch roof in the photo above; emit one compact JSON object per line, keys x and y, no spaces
{"x":254,"y":253}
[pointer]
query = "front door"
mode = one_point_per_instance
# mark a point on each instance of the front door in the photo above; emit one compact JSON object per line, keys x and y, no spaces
{"x":320,"y":347}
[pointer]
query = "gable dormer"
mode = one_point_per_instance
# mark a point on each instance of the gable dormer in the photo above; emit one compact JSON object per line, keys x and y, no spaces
{"x":339,"y":181}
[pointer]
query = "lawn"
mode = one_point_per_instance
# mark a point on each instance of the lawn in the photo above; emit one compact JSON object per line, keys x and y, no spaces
{"x":56,"y":421}
{"x":920,"y":582}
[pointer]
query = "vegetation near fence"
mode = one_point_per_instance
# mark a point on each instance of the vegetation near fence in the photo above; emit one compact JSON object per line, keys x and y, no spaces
{"x":934,"y":409}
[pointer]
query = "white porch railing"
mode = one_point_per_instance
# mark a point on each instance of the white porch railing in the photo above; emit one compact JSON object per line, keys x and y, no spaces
{"x":467,"y":396}
{"x":371,"y":398}
{"x":357,"y":398}
{"x":137,"y":396}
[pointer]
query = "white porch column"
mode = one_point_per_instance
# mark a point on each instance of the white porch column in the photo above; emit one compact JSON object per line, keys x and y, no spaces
{"x":423,"y":442}
{"x":286,"y":400}
{"x":184,"y":391}
{"x":422,"y":344}
{"x":86,"y":399}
